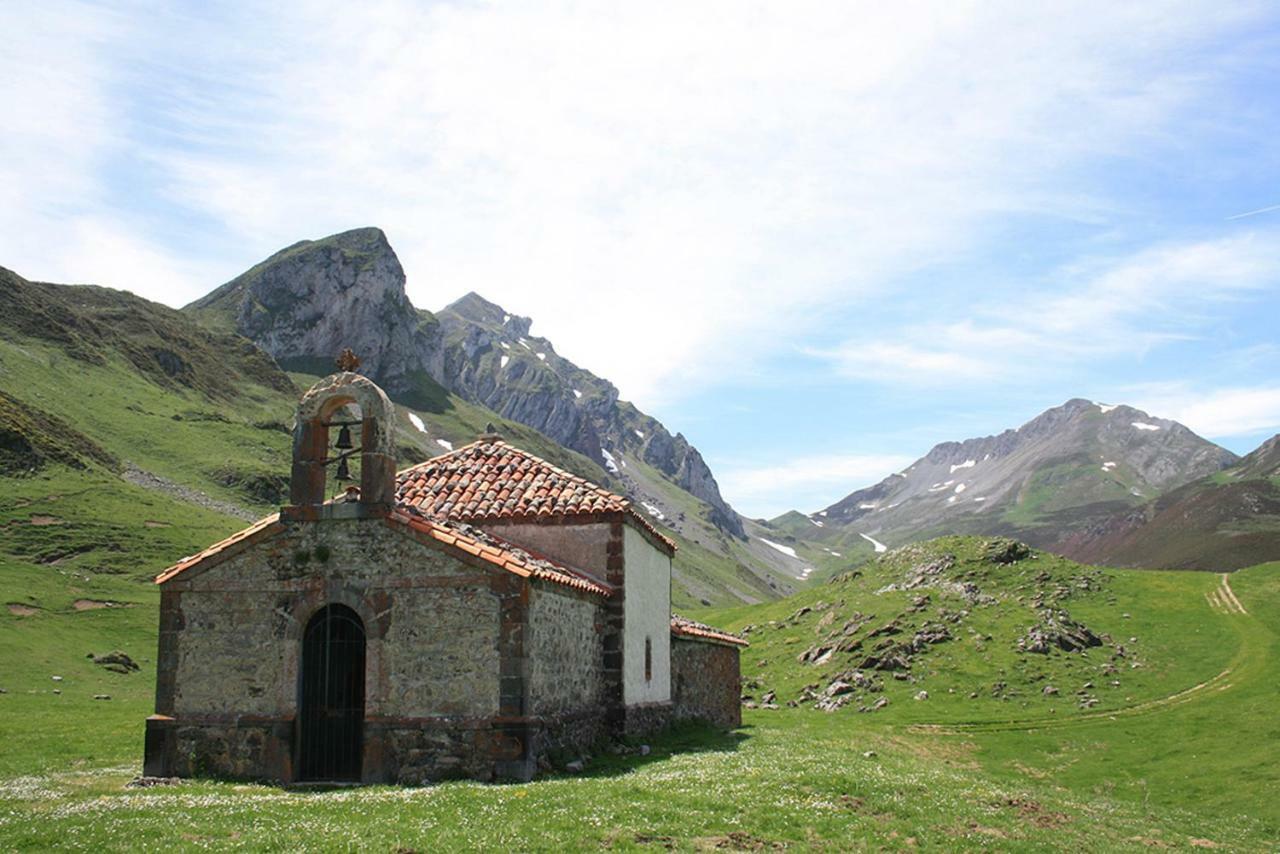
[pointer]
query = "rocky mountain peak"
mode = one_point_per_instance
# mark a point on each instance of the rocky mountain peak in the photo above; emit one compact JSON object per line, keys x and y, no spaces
{"x":306,"y":303}
{"x":477,"y":309}
{"x":1046,"y":474}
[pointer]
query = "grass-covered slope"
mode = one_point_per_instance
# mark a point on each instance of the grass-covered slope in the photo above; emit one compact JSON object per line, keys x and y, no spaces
{"x":980,"y":629}
{"x":1225,"y":521}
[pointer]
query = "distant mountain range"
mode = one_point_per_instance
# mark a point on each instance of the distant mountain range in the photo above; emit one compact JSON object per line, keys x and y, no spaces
{"x":1100,"y":482}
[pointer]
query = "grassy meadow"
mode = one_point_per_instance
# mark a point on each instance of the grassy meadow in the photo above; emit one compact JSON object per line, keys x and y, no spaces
{"x":1180,"y":755}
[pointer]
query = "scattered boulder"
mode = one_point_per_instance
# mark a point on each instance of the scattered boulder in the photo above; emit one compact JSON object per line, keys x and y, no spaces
{"x":1003,"y":550}
{"x":922,"y":695}
{"x":117,"y":662}
{"x":148,"y":782}
{"x":102,"y":696}
{"x":1058,"y":631}
{"x":575,"y":767}
{"x":1049,"y":691}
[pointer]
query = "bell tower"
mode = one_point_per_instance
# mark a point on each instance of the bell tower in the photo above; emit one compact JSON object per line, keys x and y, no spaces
{"x":314,"y":460}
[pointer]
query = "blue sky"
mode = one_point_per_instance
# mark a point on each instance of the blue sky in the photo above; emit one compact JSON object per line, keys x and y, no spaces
{"x":816,"y":238}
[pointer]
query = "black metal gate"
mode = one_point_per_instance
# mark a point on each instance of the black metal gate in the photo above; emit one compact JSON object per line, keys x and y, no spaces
{"x":331,"y":707}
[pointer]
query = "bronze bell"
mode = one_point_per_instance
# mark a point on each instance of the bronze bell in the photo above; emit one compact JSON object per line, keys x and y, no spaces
{"x":344,"y":439}
{"x":343,"y":472}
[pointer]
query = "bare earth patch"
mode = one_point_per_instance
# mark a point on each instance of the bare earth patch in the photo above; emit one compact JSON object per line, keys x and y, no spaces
{"x":151,"y":523}
{"x":20,"y":610}
{"x":94,"y":604}
{"x":46,"y":520}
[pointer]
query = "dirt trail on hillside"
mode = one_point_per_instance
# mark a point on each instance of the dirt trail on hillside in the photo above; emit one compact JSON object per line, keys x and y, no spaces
{"x":147,"y":480}
{"x":1230,"y":595}
{"x":1218,"y":683}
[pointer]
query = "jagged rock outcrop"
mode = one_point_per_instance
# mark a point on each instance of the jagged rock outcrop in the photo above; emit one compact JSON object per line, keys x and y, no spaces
{"x":491,"y":358}
{"x":307,"y":302}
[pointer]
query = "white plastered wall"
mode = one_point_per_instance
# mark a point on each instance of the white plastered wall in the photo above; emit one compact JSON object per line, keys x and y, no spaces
{"x":647,"y":610}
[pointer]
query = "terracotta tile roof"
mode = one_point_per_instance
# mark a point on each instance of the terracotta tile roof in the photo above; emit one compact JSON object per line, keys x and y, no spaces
{"x":686,"y":628}
{"x":258,"y":530}
{"x":496,"y":551}
{"x":490,"y":480}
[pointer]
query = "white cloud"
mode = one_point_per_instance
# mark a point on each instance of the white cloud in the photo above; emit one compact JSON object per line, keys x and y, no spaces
{"x":1221,"y":413}
{"x":767,"y":490}
{"x":683,"y":180}
{"x":1097,"y":309}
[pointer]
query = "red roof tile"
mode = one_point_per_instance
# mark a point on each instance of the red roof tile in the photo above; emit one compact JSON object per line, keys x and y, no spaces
{"x":682,"y":627}
{"x":489,"y":480}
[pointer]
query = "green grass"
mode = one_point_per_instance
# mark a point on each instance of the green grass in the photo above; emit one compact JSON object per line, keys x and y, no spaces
{"x":1025,"y":773}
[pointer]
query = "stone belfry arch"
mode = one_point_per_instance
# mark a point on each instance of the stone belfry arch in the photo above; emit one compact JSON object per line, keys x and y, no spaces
{"x":311,"y":453}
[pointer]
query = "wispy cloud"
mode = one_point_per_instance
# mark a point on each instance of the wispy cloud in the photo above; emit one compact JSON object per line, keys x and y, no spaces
{"x":1267,"y":209}
{"x":672,"y":190}
{"x":767,"y":490}
{"x":1220,"y":413}
{"x":1097,"y":309}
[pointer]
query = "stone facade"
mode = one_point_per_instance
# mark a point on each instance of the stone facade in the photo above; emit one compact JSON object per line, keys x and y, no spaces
{"x":706,"y":682}
{"x":457,"y":653}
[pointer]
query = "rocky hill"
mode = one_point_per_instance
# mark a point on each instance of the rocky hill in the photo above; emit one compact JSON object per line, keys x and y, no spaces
{"x":1047,"y":480}
{"x":308,"y":301}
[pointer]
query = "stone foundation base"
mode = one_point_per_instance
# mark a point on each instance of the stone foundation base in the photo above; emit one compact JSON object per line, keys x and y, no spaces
{"x":646,"y":719}
{"x":405,"y":751}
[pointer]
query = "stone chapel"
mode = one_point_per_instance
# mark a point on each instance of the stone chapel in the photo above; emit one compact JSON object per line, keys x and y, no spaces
{"x":462,"y":618}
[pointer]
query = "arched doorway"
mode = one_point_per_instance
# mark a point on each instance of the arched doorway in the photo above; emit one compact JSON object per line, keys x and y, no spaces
{"x":331,"y":696}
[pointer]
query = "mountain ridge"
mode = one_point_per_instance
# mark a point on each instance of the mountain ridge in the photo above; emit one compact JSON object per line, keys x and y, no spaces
{"x":314,"y":297}
{"x":1043,"y":482}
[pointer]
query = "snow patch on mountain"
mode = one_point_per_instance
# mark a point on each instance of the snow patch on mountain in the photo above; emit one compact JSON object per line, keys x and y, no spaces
{"x":876,"y":544}
{"x":417,"y":422}
{"x":1142,"y":425}
{"x":786,"y":550}
{"x":967,"y":464}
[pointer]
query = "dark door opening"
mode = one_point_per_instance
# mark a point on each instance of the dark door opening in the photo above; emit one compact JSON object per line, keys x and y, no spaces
{"x":331,"y":705}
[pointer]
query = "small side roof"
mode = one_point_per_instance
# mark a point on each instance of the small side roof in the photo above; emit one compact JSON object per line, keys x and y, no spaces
{"x":693,"y":630}
{"x":490,"y":480}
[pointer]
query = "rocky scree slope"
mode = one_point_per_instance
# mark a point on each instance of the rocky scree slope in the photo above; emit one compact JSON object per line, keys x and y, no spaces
{"x":1043,"y":482}
{"x":307,"y":302}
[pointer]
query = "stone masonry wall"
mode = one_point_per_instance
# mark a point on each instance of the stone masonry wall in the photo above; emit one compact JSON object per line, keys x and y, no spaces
{"x":431,"y":624}
{"x":565,"y":650}
{"x":706,"y":682}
